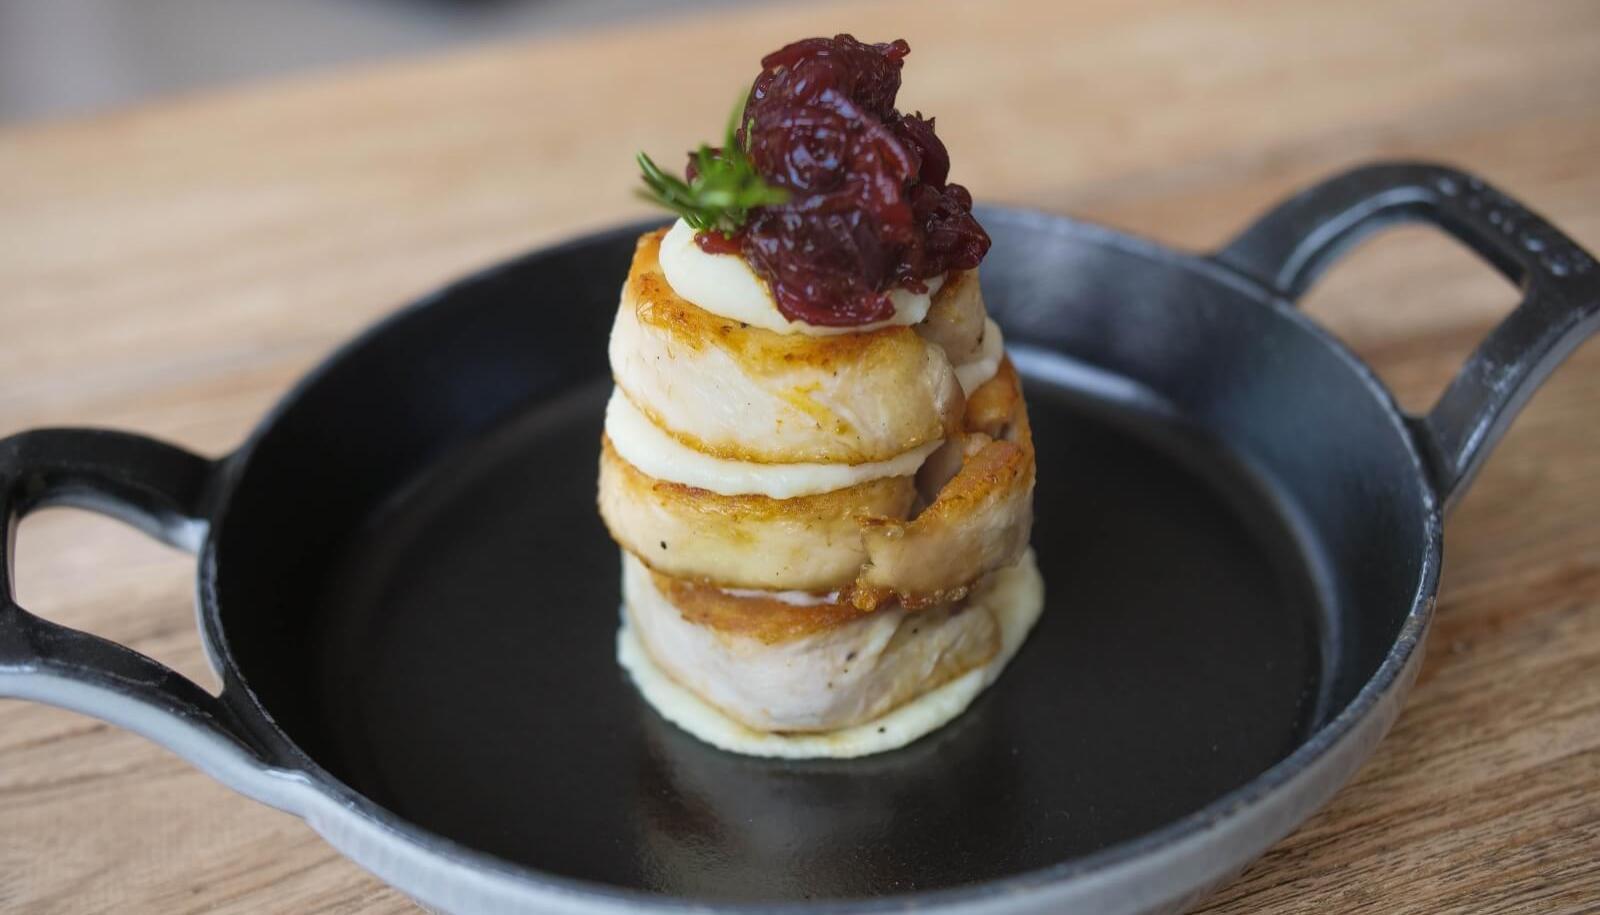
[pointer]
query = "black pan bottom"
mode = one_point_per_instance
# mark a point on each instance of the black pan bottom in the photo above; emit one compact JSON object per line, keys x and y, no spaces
{"x":470,"y":684}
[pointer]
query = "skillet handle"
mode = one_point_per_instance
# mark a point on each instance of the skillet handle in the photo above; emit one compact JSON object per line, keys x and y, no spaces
{"x":164,"y":491}
{"x":1289,"y":247}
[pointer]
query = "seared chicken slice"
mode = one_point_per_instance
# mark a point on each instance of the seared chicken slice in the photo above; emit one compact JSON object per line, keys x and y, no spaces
{"x":816,"y":668}
{"x":868,"y":540}
{"x":955,"y":322}
{"x":745,"y":541}
{"x":978,"y":521}
{"x":750,"y":394}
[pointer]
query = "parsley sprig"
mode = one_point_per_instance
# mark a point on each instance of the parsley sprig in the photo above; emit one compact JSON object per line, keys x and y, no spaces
{"x":725,"y":188}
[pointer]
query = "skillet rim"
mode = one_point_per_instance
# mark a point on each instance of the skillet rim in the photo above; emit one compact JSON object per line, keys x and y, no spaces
{"x":533,"y":885}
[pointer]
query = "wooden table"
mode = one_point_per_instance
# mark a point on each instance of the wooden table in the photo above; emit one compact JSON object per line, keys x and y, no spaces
{"x":172,"y":269}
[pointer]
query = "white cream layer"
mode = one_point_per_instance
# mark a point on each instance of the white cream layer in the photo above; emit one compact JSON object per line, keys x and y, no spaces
{"x":792,"y":598}
{"x":659,"y":455}
{"x":724,"y":285}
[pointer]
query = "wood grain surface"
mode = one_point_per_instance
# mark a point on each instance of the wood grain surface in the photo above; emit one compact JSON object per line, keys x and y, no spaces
{"x":172,"y":269}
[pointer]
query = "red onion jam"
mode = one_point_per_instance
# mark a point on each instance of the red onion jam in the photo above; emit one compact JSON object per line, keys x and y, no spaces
{"x":869,"y":207}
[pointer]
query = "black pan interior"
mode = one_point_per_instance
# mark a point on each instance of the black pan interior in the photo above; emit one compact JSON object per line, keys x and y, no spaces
{"x":415,"y":584}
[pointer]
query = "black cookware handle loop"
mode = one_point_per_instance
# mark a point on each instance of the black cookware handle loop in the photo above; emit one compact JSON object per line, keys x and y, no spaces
{"x":1289,"y":247}
{"x":158,"y":488}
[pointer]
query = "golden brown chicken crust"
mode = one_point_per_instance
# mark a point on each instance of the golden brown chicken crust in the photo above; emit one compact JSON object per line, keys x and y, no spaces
{"x":978,"y":521}
{"x":762,"y":618}
{"x":774,"y":667}
{"x":866,"y":542}
{"x":996,"y":405}
{"x":956,"y":321}
{"x":843,"y":398}
{"x":744,"y":541}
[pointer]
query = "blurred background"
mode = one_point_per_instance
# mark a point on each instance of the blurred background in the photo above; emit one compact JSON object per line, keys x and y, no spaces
{"x":69,"y":57}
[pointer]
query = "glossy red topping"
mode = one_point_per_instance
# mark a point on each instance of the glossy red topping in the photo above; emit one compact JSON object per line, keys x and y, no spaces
{"x":869,"y":207}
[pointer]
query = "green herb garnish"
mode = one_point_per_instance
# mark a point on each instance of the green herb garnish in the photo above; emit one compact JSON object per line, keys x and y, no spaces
{"x":726,"y":185}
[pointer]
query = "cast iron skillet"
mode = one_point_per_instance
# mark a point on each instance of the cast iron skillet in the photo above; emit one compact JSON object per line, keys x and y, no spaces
{"x":410,"y":603}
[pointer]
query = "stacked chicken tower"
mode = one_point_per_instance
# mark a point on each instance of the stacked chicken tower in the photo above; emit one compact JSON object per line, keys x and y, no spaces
{"x":821,"y":527}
